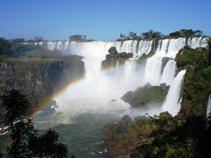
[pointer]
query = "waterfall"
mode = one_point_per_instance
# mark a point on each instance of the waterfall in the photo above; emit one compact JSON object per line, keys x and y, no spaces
{"x":169,"y":72}
{"x":153,"y":70}
{"x":168,"y":48}
{"x":95,"y":100}
{"x":130,"y":68}
{"x":197,"y":42}
{"x":161,"y":51}
{"x":144,"y":47}
{"x":209,"y":106}
{"x":131,"y":75}
{"x":171,"y":103}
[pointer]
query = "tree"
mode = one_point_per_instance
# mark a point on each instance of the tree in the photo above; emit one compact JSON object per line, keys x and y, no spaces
{"x":48,"y":145}
{"x":209,"y":49}
{"x":16,"y":106}
{"x":122,"y":36}
{"x":5,"y":47}
{"x":20,"y":133}
{"x":113,"y":51}
{"x":187,"y":33}
{"x":175,"y":34}
{"x":151,"y":35}
{"x":38,"y":39}
{"x":25,"y":140}
{"x":77,"y":38}
{"x":198,"y":33}
{"x":133,"y":36}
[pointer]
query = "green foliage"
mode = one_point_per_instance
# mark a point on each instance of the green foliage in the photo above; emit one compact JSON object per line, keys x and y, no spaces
{"x":113,"y":51}
{"x":79,"y":38}
{"x":16,"y":47}
{"x":187,"y":33}
{"x":25,"y":141}
{"x":15,"y":104}
{"x":185,"y":136}
{"x":20,"y":133}
{"x":155,"y":35}
{"x":5,"y":47}
{"x":47,"y":145}
{"x":197,"y":83}
{"x":145,"y":36}
{"x":192,"y":58}
{"x":209,"y":50}
{"x":145,"y":95}
{"x":151,"y":35}
{"x":114,"y":58}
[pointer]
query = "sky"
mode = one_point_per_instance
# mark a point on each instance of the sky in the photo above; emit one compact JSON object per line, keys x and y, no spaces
{"x":100,"y":19}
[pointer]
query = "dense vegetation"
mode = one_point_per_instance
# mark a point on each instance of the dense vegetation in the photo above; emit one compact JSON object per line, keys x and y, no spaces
{"x":146,"y":36}
{"x":79,"y":38}
{"x":16,"y":47}
{"x":114,"y":58}
{"x":186,"y":33}
{"x":29,"y":74}
{"x":185,"y":136}
{"x":145,"y":95}
{"x":197,"y":84}
{"x":25,"y":140}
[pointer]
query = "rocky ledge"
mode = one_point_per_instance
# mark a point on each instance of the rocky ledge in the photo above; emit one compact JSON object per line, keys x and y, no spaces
{"x":114,"y":58}
{"x":145,"y":95}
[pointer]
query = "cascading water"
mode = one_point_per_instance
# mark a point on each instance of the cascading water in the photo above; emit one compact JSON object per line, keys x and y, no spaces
{"x":153,"y":70}
{"x":168,"y":48}
{"x":209,"y":106}
{"x":171,"y":104}
{"x":96,"y":98}
{"x":169,"y":72}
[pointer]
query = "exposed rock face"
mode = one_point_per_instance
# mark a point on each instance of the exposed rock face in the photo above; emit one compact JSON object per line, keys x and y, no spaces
{"x":145,"y":95}
{"x":39,"y":78}
{"x":114,"y":58}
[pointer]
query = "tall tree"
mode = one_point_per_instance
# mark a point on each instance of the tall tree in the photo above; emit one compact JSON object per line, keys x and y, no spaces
{"x":25,"y":141}
{"x":209,"y":49}
{"x":48,"y":145}
{"x":21,"y":133}
{"x":15,"y":104}
{"x":5,"y":47}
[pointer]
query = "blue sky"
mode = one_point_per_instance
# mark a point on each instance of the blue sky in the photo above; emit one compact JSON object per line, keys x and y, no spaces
{"x":100,"y":19}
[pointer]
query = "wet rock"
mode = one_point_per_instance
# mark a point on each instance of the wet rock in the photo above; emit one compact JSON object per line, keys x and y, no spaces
{"x":114,"y":58}
{"x":145,"y":95}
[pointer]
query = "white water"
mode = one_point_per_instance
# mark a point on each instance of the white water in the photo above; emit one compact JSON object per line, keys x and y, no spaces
{"x":85,"y":107}
{"x":98,"y":89}
{"x":209,"y":106}
{"x":99,"y":92}
{"x":153,"y":70}
{"x":172,"y":104}
{"x":169,"y":72}
{"x":168,"y":48}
